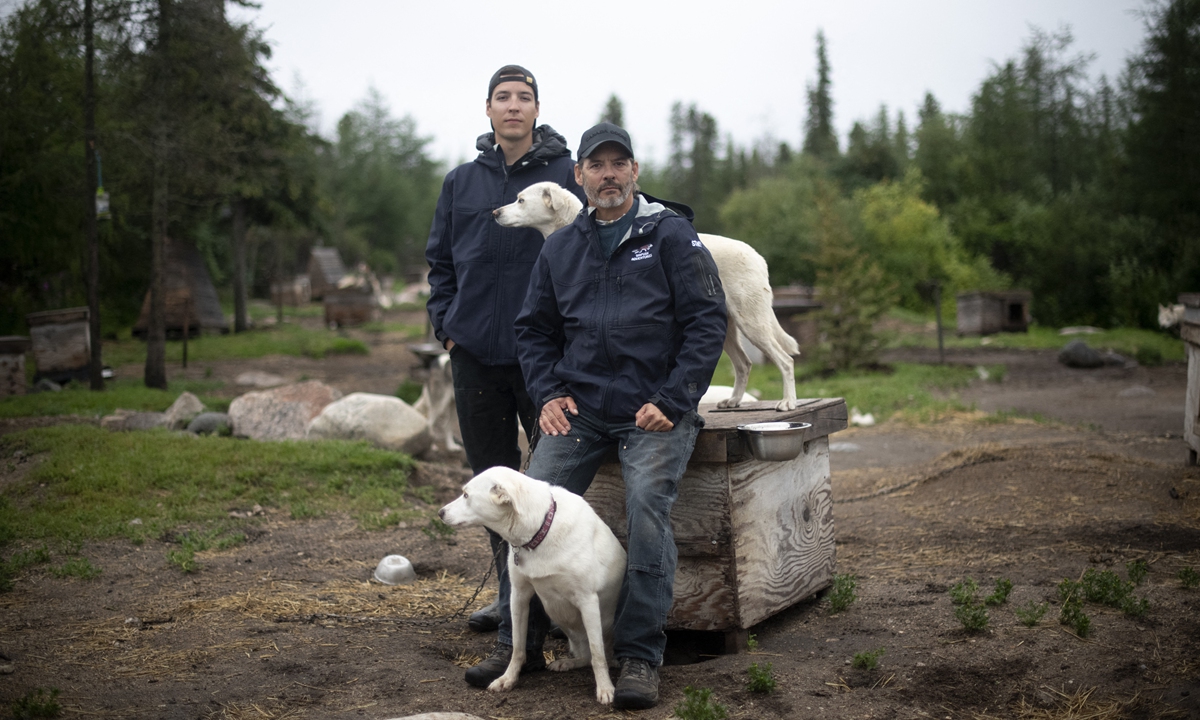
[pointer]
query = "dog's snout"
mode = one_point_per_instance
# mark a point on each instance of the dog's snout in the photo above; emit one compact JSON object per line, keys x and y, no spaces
{"x":496,"y":212}
{"x":442,"y":513}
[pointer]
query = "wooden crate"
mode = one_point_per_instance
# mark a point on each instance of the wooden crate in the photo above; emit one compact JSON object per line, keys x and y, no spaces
{"x":754,"y":537}
{"x":61,"y":342}
{"x":350,"y":307}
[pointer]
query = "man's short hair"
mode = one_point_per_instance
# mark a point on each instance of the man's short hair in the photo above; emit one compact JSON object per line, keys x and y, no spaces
{"x":512,"y":73}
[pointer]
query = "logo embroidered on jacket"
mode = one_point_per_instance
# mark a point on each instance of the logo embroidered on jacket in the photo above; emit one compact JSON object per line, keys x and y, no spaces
{"x":697,"y":243}
{"x":642,"y":253}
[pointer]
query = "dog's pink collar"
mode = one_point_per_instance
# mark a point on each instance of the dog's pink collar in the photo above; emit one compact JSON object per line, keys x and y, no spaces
{"x":541,"y":534}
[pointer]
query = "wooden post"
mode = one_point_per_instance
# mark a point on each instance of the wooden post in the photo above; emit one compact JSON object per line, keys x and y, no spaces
{"x":187,"y":318}
{"x":937,"y":304}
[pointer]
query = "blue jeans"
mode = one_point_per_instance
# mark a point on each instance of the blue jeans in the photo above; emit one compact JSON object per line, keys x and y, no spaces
{"x":652,"y":464}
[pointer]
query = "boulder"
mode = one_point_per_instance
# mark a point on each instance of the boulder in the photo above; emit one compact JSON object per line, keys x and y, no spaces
{"x":384,"y":421}
{"x":1077,"y":354}
{"x":181,"y":412}
{"x":260,"y":379}
{"x":133,"y":420}
{"x":209,"y":423}
{"x":282,"y":413}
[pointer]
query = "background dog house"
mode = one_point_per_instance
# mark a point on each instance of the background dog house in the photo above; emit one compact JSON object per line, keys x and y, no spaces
{"x":325,"y":271}
{"x":754,"y":537}
{"x":987,"y":313}
{"x":62,"y":343}
{"x":1189,"y":330}
{"x":795,"y":307}
{"x":191,"y":300}
{"x":12,"y":365}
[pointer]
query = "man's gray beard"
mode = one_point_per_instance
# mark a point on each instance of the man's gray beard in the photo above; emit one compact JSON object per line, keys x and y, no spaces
{"x":618,"y":201}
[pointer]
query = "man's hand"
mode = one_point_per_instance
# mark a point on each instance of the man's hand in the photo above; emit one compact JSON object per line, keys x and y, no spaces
{"x":449,"y":344}
{"x":651,"y":419}
{"x":553,"y":420}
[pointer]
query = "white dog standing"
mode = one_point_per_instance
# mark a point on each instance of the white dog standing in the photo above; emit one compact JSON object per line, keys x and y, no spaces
{"x":546,"y":207}
{"x":563,"y":552}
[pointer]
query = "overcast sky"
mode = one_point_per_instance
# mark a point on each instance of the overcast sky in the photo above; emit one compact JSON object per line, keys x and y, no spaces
{"x":747,"y":63}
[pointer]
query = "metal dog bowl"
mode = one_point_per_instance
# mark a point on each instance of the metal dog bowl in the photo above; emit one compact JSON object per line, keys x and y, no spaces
{"x":774,"y":441}
{"x":395,"y":570}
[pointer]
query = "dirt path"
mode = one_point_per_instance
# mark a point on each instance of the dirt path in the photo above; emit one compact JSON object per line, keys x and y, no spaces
{"x":290,"y":626}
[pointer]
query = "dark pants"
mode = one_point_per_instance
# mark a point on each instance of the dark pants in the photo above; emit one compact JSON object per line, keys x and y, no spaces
{"x":490,"y":400}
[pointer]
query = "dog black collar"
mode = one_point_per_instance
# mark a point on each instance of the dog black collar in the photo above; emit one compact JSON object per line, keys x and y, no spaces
{"x":541,"y":534}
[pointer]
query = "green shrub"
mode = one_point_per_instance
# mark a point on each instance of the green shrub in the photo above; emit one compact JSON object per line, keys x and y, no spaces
{"x":1189,"y":578}
{"x":1000,"y":595}
{"x":438,"y":530}
{"x":842,"y":596}
{"x":698,"y":705}
{"x":963,"y":593}
{"x":37,"y":703}
{"x":1031,"y":614}
{"x":867,"y":659}
{"x":1070,"y":595}
{"x":974,"y":617}
{"x":409,"y":391}
{"x":762,"y":679}
{"x":1137,"y":570}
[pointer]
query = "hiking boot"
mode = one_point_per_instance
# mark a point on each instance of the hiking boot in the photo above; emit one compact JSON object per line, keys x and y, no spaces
{"x":494,"y":665}
{"x":485,"y":620}
{"x":637,"y":688}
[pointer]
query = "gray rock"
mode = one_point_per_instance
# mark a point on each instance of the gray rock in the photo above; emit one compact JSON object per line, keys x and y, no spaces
{"x":260,"y":379}
{"x":181,"y":412}
{"x":1111,"y":358}
{"x":1077,"y":354}
{"x":209,"y":423}
{"x":47,"y":385}
{"x":282,"y":413}
{"x":382,"y":420}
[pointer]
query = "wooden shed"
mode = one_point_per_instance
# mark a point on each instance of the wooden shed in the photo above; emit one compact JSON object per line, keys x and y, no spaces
{"x":12,"y":365}
{"x":1189,"y":330}
{"x":191,"y":299}
{"x":325,"y":270}
{"x":796,"y":307}
{"x":61,"y":342}
{"x":988,"y":313}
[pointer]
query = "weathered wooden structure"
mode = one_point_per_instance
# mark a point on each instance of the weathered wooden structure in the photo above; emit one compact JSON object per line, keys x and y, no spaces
{"x":191,"y":301}
{"x":347,"y":307}
{"x":754,"y":537}
{"x":325,"y":270}
{"x":1189,"y":329}
{"x":795,"y":307}
{"x":988,"y":313}
{"x":293,"y":293}
{"x":12,"y":364}
{"x":62,"y":344}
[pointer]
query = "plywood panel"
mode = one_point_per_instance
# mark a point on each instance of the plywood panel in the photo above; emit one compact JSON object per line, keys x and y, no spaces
{"x":704,"y":595}
{"x":782,"y":515}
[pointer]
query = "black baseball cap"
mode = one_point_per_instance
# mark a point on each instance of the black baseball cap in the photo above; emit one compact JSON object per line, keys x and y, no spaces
{"x":512,"y":73}
{"x":597,"y":135}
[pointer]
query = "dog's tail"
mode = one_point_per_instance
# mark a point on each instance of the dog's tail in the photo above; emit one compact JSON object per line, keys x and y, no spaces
{"x":787,"y":341}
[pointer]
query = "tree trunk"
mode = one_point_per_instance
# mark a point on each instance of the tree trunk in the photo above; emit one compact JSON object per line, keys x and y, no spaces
{"x":156,"y":331}
{"x":95,"y":376}
{"x":239,"y":265}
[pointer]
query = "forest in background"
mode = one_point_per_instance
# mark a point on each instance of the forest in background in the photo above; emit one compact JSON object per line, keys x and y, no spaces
{"x":1085,"y":192}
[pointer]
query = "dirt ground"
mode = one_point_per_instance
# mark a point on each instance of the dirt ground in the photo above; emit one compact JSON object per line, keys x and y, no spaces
{"x":290,"y":625}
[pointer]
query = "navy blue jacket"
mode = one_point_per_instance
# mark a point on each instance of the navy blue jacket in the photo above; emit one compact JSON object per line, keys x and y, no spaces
{"x":479,"y":270}
{"x":645,"y":325}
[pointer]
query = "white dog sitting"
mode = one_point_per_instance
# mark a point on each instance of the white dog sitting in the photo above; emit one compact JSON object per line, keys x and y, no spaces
{"x":546,"y":206}
{"x":562,"y":551}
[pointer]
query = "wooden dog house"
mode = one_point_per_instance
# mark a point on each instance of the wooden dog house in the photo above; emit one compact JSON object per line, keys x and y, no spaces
{"x":988,"y":313}
{"x":191,"y":300}
{"x":325,"y":270}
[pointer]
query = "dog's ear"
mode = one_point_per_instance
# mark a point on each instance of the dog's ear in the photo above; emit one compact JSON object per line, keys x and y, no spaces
{"x":548,"y":198}
{"x":499,"y":492}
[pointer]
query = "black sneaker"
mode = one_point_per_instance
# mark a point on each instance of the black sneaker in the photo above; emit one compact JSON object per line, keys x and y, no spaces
{"x":485,"y":620}
{"x":637,"y":688}
{"x":494,"y":665}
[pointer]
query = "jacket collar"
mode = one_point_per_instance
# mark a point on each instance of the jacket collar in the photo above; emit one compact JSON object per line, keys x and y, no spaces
{"x":547,"y":145}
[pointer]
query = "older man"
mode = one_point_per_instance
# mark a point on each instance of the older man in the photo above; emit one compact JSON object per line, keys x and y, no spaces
{"x":618,"y":338}
{"x":478,"y":273}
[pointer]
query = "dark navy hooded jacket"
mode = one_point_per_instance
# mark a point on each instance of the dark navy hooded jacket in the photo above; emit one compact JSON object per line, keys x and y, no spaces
{"x":644,"y":325}
{"x":478,"y":270}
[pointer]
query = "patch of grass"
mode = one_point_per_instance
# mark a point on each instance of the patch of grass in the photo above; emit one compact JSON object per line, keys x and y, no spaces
{"x":699,"y":705}
{"x":10,"y":568}
{"x":1189,"y":578}
{"x":217,"y":536}
{"x":37,"y":703}
{"x":286,"y":339}
{"x":409,"y":391}
{"x":908,"y":388}
{"x":76,"y":567}
{"x":346,"y":346}
{"x":1106,"y":588}
{"x":77,"y":399}
{"x":1148,"y":355}
{"x":438,"y":530}
{"x":751,"y":642}
{"x":842,"y":596}
{"x":1031,"y":614}
{"x":999,"y":596}
{"x":93,"y":484}
{"x":762,"y":679}
{"x":1137,"y":570}
{"x":867,"y":659}
{"x":303,"y":511}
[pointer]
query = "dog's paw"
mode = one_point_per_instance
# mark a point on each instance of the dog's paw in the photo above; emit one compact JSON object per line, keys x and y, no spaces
{"x":564,"y":664}
{"x":504,"y":683}
{"x":604,"y":695}
{"x":730,"y":403}
{"x":785,"y":405}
